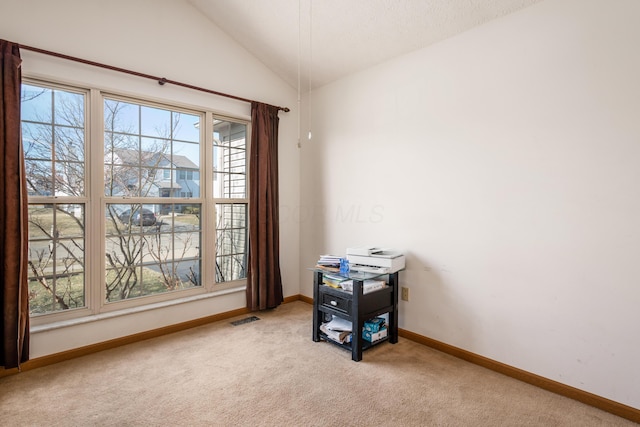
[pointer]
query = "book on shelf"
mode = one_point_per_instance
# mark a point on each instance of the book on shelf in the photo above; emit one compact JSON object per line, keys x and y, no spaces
{"x":329,"y":263}
{"x":329,"y":260}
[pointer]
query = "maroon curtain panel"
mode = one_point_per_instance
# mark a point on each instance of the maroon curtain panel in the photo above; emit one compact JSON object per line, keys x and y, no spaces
{"x":264,"y":282}
{"x":14,"y":294}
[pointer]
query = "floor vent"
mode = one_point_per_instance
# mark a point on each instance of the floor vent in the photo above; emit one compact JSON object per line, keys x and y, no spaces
{"x":243,"y":321}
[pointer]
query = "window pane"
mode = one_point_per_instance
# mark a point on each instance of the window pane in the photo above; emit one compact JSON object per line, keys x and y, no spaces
{"x":69,"y":144}
{"x":120,"y":180}
{"x":68,"y":108}
{"x":121,"y":117}
{"x":227,"y":185}
{"x":70,"y":221}
{"x":155,"y":122}
{"x":39,"y":178}
{"x":151,"y":249}
{"x":146,"y":152}
{"x":36,"y":104}
{"x":69,"y":179}
{"x":186,"y":127}
{"x":155,"y":150}
{"x":53,"y":126}
{"x":40,"y":222}
{"x":229,"y":160}
{"x":37,"y":141}
{"x":118,"y":148}
{"x":56,"y":257}
{"x":186,"y":154}
{"x":231,"y":241}
{"x":121,"y":282}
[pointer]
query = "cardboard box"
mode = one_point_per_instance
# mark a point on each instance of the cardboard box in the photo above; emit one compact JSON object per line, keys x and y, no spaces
{"x":374,"y":325}
{"x":374,"y":336}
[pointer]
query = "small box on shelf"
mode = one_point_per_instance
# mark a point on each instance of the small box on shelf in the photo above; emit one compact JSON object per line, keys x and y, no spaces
{"x":374,"y":325}
{"x":374,"y":336}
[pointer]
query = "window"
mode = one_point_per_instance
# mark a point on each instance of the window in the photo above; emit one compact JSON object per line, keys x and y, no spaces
{"x":230,"y":195}
{"x":138,"y":216}
{"x":187,"y":175}
{"x":146,"y":253}
{"x":53,"y":137}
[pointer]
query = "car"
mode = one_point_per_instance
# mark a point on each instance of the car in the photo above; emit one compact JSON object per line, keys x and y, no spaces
{"x":148,"y":217}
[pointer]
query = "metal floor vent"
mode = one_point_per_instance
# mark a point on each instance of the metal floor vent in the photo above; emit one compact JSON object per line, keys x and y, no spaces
{"x":246,"y":320}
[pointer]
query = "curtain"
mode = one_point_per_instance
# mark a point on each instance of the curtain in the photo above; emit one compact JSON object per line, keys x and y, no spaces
{"x":14,"y":303}
{"x":264,"y":282}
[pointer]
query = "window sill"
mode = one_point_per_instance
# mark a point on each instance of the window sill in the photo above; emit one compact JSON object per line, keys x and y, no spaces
{"x":132,"y":310}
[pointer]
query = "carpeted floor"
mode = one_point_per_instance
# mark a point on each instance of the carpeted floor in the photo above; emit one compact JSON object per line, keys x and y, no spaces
{"x":270,"y":373}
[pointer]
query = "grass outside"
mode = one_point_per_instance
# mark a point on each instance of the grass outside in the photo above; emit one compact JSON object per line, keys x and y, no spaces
{"x":70,"y":289}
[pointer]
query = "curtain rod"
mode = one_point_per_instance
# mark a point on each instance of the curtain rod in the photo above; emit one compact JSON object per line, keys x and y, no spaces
{"x":161,"y":80}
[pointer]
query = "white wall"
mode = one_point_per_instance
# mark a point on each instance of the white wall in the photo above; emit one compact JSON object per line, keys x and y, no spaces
{"x":169,"y":39}
{"x":505,"y":163}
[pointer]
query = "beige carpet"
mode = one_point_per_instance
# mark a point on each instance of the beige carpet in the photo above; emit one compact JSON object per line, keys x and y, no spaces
{"x":270,"y":373}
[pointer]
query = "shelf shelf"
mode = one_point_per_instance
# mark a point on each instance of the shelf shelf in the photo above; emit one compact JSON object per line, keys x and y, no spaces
{"x":347,"y":346}
{"x":356,"y":307}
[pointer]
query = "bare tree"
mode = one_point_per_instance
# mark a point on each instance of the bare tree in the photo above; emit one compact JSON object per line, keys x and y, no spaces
{"x":54,"y":153}
{"x":134,"y":171}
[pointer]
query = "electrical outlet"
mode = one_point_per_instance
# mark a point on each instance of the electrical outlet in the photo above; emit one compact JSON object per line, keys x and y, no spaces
{"x":405,"y":294}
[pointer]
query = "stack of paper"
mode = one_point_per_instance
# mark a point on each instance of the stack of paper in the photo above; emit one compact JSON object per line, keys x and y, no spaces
{"x":329,"y":261}
{"x":368,"y":285}
{"x":337,"y":329}
{"x":339,"y":324}
{"x":332,"y":280}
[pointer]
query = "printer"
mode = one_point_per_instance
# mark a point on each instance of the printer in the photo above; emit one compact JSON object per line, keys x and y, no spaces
{"x":375,"y":260}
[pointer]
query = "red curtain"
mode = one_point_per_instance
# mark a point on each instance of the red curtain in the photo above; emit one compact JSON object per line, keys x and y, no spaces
{"x":264,"y":282}
{"x":14,"y":294}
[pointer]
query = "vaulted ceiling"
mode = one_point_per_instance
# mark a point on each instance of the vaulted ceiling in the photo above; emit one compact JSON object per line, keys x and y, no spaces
{"x":315,"y":42}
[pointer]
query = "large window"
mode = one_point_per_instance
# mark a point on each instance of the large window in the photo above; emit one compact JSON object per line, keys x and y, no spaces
{"x":148,"y":251}
{"x":138,"y":212}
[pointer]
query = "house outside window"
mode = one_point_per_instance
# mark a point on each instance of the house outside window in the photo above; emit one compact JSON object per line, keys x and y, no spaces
{"x":130,"y":229}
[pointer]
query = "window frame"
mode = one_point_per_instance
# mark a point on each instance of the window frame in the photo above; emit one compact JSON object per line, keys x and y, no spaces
{"x":89,"y":268}
{"x":95,"y":202}
{"x":232,"y":200}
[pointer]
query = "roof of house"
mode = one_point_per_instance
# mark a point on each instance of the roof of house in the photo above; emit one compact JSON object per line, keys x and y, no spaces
{"x":149,"y":159}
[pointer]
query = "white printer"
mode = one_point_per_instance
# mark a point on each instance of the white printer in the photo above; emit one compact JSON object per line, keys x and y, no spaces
{"x":375,"y":260}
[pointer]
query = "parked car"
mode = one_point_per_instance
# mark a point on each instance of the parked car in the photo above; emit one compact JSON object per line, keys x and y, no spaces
{"x":148,"y":217}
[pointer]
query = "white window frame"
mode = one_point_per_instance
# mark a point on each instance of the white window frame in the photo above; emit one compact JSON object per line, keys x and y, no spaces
{"x":229,"y":200}
{"x":95,"y":205}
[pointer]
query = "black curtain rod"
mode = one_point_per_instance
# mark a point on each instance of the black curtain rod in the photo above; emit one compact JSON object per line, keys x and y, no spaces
{"x":161,"y":80}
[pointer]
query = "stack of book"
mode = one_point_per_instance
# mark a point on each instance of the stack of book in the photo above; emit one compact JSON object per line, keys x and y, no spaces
{"x":329,"y":262}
